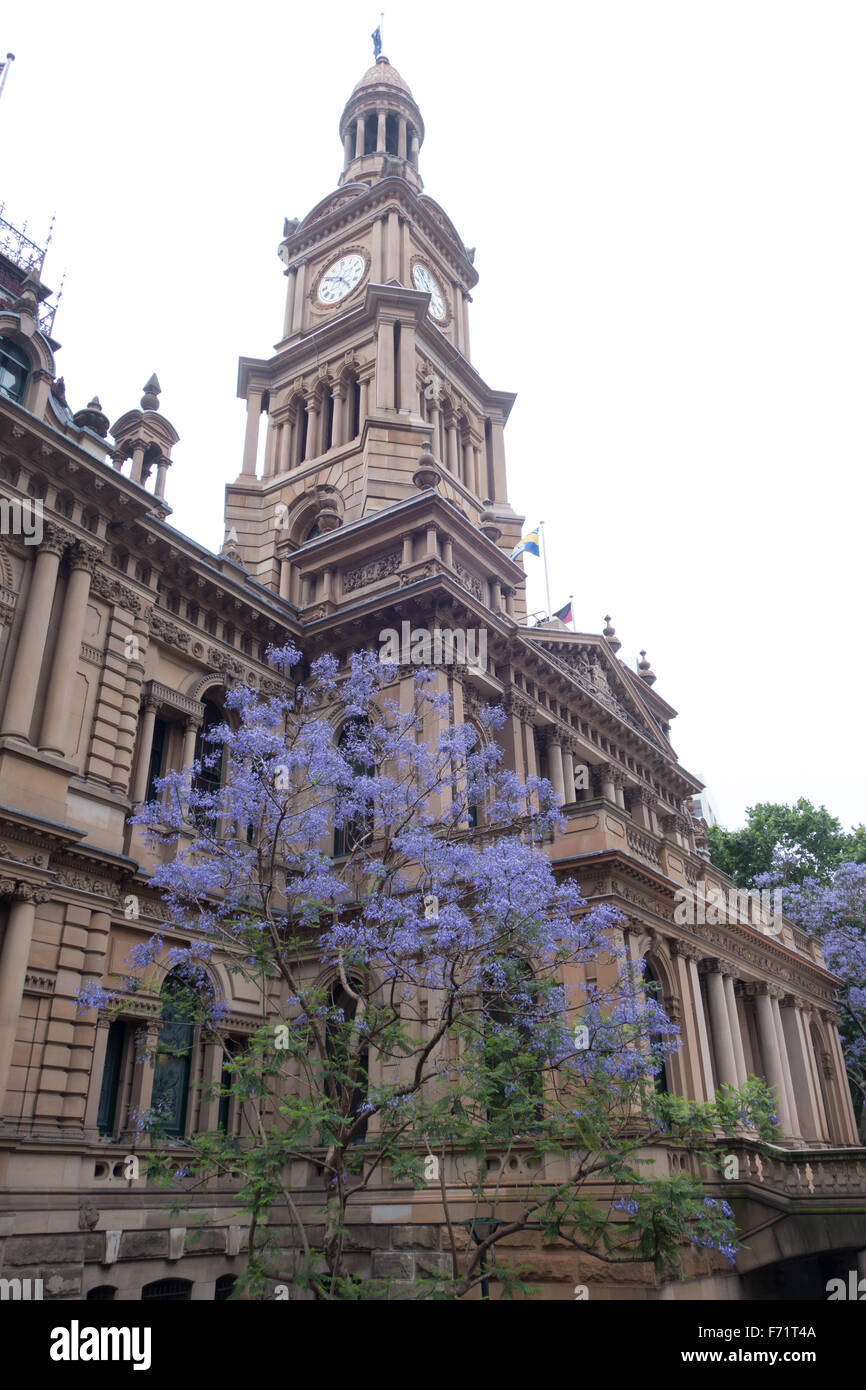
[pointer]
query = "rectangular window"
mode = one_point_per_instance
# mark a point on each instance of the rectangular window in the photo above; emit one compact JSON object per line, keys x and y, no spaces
{"x":107,"y":1113}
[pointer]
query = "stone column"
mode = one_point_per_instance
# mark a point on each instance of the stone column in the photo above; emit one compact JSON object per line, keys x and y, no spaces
{"x":54,"y":737}
{"x":568,"y":772}
{"x":468,"y":465}
{"x":141,"y":1092}
{"x":786,"y":1066}
{"x":723,"y":1047}
{"x":465,"y":307}
{"x":401,"y":137}
{"x":14,"y":956}
{"x":211,"y":1075}
{"x":451,"y":460}
{"x":695,"y":1054}
{"x":97,"y":1067}
{"x":497,"y":438}
{"x":161,"y":474}
{"x":300,"y":290}
{"x":802,"y":1079}
{"x":554,"y":765}
{"x":286,"y":579}
{"x":839,"y":1081}
{"x":407,"y":368}
{"x":414,"y":147}
{"x":348,"y":146}
{"x":145,"y":743}
{"x":380,"y":131}
{"x":771,"y":1054}
{"x":734,"y":1022}
{"x":606,"y":778}
{"x":364,"y":408}
{"x":190,"y":734}
{"x":251,"y":438}
{"x":313,"y":428}
{"x":291,"y":276}
{"x":813,"y":1062}
{"x":359,"y":137}
{"x":376,"y":276}
{"x":385,"y":365}
{"x":392,"y":246}
{"x":338,"y":396}
{"x":137,"y":469}
{"x":34,"y":630}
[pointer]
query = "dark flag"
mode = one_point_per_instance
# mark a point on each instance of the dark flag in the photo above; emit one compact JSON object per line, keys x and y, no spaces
{"x":565,"y":614}
{"x":376,"y":36}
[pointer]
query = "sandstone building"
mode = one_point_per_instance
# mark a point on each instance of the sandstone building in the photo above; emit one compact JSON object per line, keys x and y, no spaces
{"x":372,"y":488}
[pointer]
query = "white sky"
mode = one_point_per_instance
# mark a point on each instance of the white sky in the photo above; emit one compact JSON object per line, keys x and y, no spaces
{"x":669,"y":209}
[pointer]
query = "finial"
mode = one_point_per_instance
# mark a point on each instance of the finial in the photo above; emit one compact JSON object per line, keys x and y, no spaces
{"x":610,"y":634}
{"x":150,"y":399}
{"x":93,"y":418}
{"x":646,"y":672}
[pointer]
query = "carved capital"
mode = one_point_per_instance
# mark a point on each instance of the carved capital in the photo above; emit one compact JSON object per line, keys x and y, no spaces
{"x":55,"y":539}
{"x":83,"y":556}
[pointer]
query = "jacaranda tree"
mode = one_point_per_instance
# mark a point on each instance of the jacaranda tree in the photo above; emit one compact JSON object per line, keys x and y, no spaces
{"x":433,"y":1000}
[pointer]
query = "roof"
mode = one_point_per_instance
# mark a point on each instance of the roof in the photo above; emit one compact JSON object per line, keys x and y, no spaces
{"x":380,"y":72}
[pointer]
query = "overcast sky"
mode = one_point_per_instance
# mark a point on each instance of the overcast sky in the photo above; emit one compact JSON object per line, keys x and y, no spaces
{"x":669,"y":210}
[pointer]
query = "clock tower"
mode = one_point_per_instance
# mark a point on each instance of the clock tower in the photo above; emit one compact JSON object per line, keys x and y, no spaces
{"x":373,"y":370}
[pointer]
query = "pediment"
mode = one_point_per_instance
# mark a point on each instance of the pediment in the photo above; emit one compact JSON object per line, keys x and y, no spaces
{"x":596,"y":671}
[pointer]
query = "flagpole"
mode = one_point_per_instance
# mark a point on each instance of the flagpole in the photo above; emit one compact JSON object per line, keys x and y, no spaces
{"x":571,"y":601}
{"x":10,"y":58}
{"x":544,"y":553}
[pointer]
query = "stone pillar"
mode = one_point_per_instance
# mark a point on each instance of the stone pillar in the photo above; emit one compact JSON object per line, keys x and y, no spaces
{"x":605,"y":775}
{"x":34,"y":631}
{"x":723,"y":1047}
{"x":359,"y":137}
{"x":54,"y":737}
{"x":465,"y":308}
{"x":734,"y":1023}
{"x":839,"y":1081}
{"x":392,"y":246}
{"x":554,"y":765}
{"x":137,"y":469}
{"x":385,"y":365}
{"x":802,"y":1078}
{"x":338,"y":396}
{"x":568,"y":772}
{"x":436,"y":437}
{"x":414,"y":147}
{"x":145,"y":743}
{"x":348,"y":146}
{"x":314,"y":420}
{"x":291,"y":276}
{"x":432,"y":541}
{"x":380,"y":132}
{"x":97,"y":1067}
{"x":497,"y":439}
{"x":401,"y":137}
{"x":786,"y":1067}
{"x":141,"y":1092}
{"x":451,"y":456}
{"x":212,"y":1066}
{"x":376,"y":276}
{"x":251,"y":438}
{"x":161,"y":474}
{"x":190,"y":733}
{"x":695,"y":1052}
{"x":14,"y":956}
{"x":364,"y":408}
{"x":286,"y":579}
{"x":771,"y":1054}
{"x":300,"y":289}
{"x":407,"y":369}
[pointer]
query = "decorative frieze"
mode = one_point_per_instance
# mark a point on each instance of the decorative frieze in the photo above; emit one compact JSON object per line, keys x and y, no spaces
{"x":114,"y":592}
{"x":378,"y":568}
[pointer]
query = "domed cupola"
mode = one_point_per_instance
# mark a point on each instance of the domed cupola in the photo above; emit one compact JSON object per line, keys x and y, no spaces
{"x":381,"y":129}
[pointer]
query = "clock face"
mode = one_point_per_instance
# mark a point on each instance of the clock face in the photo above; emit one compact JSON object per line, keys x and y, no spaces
{"x":425,"y":280}
{"x":340,"y":278}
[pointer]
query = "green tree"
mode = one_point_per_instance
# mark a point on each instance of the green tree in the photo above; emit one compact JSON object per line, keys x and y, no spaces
{"x":803,"y":841}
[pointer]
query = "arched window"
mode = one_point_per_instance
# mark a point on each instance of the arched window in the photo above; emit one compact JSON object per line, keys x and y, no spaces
{"x":354,"y":407}
{"x":660,"y":1080}
{"x":173,"y":1055}
{"x":209,"y":753}
{"x":224,"y":1287}
{"x":358,"y":829}
{"x":168,"y":1291}
{"x":14,"y":370}
{"x":103,"y":1293}
{"x":336,"y":1043}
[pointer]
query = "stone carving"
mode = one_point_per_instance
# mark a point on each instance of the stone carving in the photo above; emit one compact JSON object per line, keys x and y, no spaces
{"x":110,"y":589}
{"x":470,"y":581}
{"x":369,"y":573}
{"x":587,"y":668}
{"x":167,"y":631}
{"x":225,"y":664}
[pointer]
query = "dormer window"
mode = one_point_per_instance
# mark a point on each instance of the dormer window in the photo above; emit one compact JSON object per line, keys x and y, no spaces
{"x":14,"y":371}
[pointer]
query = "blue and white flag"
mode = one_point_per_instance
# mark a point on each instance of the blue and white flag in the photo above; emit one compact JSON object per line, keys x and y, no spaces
{"x":376,"y":36}
{"x":528,"y":545}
